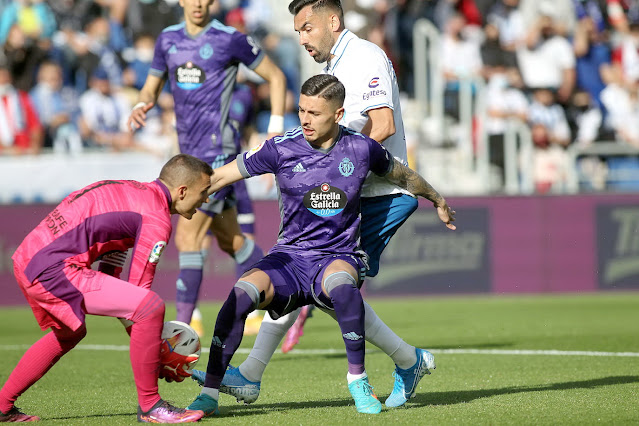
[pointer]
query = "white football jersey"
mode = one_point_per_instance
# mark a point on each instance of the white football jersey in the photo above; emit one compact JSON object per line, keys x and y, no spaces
{"x":370,"y":82}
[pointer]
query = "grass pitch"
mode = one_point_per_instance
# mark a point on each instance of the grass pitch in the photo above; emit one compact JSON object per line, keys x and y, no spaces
{"x":500,"y":360}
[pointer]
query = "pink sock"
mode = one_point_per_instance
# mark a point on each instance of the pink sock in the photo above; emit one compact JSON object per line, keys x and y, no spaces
{"x":36,"y":361}
{"x":145,"y":349}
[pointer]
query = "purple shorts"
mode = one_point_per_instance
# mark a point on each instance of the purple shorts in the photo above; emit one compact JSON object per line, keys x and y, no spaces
{"x":297,"y":278}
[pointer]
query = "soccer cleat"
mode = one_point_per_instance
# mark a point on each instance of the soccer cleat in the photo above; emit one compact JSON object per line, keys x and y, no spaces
{"x":198,"y":376}
{"x":233,"y":384}
{"x":205,"y":404}
{"x":296,"y":331}
{"x":15,"y":415}
{"x":406,"y":380}
{"x":164,"y":412}
{"x":365,"y":400}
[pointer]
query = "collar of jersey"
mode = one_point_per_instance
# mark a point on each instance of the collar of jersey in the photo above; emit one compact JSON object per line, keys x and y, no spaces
{"x":340,"y":46}
{"x":166,"y":192}
{"x":330,"y":148}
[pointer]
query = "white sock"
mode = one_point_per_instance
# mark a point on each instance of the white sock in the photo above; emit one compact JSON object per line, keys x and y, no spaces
{"x":384,"y":338}
{"x":352,"y":377}
{"x":380,"y":335}
{"x":213,"y":393}
{"x":268,"y":339}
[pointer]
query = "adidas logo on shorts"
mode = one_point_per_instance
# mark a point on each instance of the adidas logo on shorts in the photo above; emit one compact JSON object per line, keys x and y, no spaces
{"x":299,"y":168}
{"x":351,"y":335}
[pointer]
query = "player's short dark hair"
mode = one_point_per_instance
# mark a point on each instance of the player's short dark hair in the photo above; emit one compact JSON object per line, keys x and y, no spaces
{"x":325,"y":86}
{"x":184,"y":169}
{"x":335,"y":5}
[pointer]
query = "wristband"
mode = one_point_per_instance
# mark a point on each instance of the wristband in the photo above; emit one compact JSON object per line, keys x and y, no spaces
{"x":138,"y":105}
{"x":276,"y":124}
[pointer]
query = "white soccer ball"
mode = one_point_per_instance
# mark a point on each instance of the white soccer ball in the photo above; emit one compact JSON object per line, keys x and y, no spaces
{"x":180,"y":349}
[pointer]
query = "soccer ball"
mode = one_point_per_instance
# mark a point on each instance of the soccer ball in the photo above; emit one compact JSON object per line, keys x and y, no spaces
{"x":179,"y":352}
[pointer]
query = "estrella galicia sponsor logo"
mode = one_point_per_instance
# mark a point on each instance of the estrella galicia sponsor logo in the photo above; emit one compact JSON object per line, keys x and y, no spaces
{"x":374,"y":94}
{"x":206,"y":51}
{"x":346,"y":167}
{"x":189,"y":76}
{"x":325,"y":200}
{"x":374,"y":82}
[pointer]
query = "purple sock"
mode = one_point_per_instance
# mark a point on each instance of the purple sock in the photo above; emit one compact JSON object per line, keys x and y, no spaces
{"x":247,"y":256}
{"x":227,"y":337}
{"x":349,"y":309}
{"x":188,"y":285}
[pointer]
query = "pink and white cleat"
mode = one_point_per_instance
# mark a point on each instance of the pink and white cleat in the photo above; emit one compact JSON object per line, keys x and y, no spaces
{"x":163,"y":412}
{"x":296,"y":331}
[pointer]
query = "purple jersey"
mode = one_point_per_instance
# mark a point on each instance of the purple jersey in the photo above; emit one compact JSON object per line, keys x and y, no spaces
{"x":201,"y":71}
{"x":319,"y":189}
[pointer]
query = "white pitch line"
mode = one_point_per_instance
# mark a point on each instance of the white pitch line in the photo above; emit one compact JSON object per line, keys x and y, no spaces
{"x":124,"y":348}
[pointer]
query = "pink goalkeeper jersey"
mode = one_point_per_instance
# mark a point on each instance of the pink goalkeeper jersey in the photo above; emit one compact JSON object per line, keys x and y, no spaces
{"x":111,"y":215}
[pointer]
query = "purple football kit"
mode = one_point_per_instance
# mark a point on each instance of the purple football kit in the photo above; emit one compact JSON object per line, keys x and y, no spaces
{"x":201,"y":70}
{"x":319,"y":206}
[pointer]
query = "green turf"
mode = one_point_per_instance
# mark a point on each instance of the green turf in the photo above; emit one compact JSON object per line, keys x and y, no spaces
{"x":96,"y":387}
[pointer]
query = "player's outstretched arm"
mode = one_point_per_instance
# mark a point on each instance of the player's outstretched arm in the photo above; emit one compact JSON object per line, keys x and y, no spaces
{"x":277,"y":84}
{"x":411,"y":181}
{"x":146,"y":100}
{"x":224,"y":176}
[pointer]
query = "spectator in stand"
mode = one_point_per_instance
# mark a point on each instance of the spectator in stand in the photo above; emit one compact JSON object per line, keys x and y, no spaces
{"x":23,"y":54}
{"x":622,"y":104}
{"x":506,"y":16}
{"x":104,"y":115}
{"x":33,"y":17}
{"x":139,"y":65}
{"x":621,"y":13}
{"x":561,"y":12}
{"x":57,"y":108}
{"x":73,"y":15}
{"x":445,"y":10}
{"x":90,"y":50}
{"x":549,"y":62}
{"x":593,"y":56}
{"x":152,"y":16}
{"x":20,"y":129}
{"x":550,"y":134}
{"x":625,"y":58}
{"x":460,"y":59}
{"x":504,"y":102}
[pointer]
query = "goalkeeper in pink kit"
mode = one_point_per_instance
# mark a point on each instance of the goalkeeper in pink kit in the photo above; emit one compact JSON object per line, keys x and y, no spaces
{"x":53,"y":268}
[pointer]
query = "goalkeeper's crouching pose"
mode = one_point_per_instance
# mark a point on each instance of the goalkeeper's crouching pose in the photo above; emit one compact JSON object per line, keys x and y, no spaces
{"x":53,"y":268}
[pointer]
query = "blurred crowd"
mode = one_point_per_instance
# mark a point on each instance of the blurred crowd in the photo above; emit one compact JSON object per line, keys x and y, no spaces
{"x":70,"y":69}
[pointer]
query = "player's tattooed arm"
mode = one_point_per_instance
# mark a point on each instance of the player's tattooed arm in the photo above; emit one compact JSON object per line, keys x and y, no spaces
{"x":411,"y":181}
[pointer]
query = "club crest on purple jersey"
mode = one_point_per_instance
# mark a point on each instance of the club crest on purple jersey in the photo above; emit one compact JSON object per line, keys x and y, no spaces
{"x":346,"y":167}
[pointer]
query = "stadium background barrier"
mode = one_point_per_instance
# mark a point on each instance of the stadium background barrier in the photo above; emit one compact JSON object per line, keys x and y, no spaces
{"x":502,"y":245}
